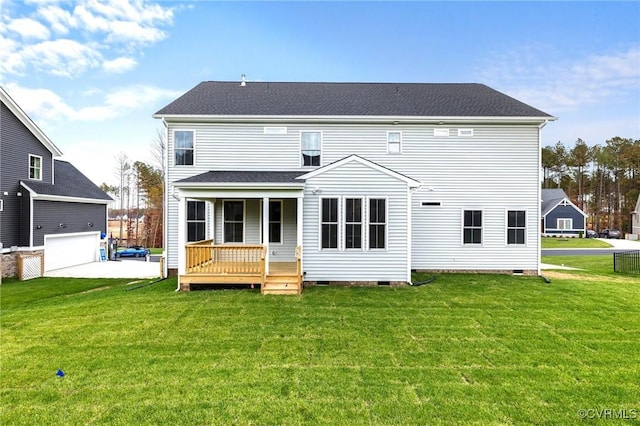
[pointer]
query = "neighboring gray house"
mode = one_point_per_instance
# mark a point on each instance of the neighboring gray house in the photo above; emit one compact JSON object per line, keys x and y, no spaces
{"x":357,"y":182}
{"x":560,"y":216}
{"x":46,"y":205}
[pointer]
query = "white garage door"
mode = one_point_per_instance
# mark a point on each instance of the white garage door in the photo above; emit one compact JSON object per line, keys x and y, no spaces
{"x":61,"y":251}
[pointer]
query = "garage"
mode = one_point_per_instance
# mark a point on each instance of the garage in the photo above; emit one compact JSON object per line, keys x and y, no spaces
{"x":61,"y":251}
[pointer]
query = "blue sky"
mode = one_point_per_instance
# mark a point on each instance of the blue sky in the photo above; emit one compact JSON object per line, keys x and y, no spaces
{"x":91,"y":73}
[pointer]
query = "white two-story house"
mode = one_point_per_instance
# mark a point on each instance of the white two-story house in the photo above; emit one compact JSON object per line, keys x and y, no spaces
{"x":280,"y":184}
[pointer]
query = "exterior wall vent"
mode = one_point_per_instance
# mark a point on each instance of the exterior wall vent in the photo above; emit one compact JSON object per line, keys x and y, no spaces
{"x":518,"y":272}
{"x":386,"y":283}
{"x":440,"y":132}
{"x":465,"y":132}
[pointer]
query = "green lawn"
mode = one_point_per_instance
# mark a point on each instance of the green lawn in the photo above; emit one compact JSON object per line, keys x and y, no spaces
{"x":557,"y":242}
{"x":464,"y":349}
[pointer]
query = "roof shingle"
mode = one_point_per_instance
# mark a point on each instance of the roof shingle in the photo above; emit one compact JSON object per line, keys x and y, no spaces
{"x":69,"y":182}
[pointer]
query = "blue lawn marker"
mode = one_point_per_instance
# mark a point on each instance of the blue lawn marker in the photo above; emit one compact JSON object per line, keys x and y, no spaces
{"x":60,"y":373}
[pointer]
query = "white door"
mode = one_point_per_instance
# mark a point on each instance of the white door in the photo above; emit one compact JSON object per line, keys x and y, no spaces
{"x":61,"y":251}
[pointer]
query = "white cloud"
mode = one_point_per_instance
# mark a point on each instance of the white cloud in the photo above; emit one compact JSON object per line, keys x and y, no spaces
{"x":40,"y":103}
{"x":80,"y":35}
{"x":29,"y":29}
{"x":563,"y":85}
{"x":119,"y":65}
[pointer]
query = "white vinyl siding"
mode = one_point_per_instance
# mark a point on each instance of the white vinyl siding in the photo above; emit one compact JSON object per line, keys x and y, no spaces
{"x":496,"y":168}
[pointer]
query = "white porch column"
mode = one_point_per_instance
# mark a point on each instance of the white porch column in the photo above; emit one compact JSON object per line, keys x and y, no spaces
{"x":299,"y":215}
{"x":182,"y":235}
{"x":265,"y":230}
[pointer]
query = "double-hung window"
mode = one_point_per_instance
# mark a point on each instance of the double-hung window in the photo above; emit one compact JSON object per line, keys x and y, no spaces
{"x":184,"y":147}
{"x":233,"y":221}
{"x":275,"y":221}
{"x":472,"y":227}
{"x":393,"y":142}
{"x":35,"y":167}
{"x":311,"y":148}
{"x":353,"y":223}
{"x":565,"y":223}
{"x":377,"y":223}
{"x":329,"y":223}
{"x":196,"y":220}
{"x":516,"y":226}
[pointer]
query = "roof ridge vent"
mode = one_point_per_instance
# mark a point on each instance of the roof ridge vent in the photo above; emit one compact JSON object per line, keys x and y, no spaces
{"x":243,"y":82}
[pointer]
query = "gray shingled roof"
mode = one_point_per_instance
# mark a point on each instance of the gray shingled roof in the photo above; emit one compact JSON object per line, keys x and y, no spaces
{"x":69,"y":182}
{"x":237,"y":176}
{"x":551,"y":198}
{"x":348,"y":99}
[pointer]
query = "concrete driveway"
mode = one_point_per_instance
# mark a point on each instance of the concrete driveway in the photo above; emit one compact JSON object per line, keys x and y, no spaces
{"x":111,"y":269}
{"x":622,"y":244}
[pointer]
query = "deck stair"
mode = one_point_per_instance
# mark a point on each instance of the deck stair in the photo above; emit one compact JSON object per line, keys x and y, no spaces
{"x":281,"y":284}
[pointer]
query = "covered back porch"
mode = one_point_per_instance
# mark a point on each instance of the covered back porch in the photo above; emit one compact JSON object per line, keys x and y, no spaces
{"x":249,"y":233}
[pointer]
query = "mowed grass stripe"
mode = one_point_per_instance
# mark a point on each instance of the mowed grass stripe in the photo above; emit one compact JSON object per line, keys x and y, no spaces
{"x":477,"y":349}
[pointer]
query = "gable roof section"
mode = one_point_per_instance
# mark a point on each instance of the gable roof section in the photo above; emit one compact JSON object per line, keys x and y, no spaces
{"x":242,"y":178}
{"x":219,"y":98}
{"x":28,"y":123}
{"x":411,"y":182}
{"x":70,"y":185}
{"x":552,"y":197}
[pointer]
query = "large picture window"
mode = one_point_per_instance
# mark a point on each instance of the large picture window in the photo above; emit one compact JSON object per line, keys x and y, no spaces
{"x":35,"y":167}
{"x":353,"y":223}
{"x":310,"y":146}
{"x":184,"y":147}
{"x":233,"y":221}
{"x":516,"y":226}
{"x":377,"y":223}
{"x":275,"y":221}
{"x":329,"y":223}
{"x":472,"y":228}
{"x":196,"y":221}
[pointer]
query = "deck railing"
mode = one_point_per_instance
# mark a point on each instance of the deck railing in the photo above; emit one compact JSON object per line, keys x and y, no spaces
{"x":203,"y":257}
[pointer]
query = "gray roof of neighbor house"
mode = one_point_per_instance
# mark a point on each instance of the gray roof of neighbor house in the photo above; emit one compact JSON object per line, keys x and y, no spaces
{"x":68,"y":182}
{"x":237,"y":176}
{"x":551,"y":198}
{"x":348,"y":99}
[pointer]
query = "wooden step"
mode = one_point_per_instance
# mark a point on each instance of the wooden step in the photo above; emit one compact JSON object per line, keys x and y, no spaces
{"x":281,"y":285}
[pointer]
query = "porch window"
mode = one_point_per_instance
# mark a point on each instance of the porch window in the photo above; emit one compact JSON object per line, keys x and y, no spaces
{"x":275,"y":221}
{"x":329,"y":223}
{"x":377,"y":223}
{"x":183,"y":147}
{"x":196,"y":221}
{"x":516,"y":226}
{"x":35,"y":167}
{"x":353,"y":223}
{"x":310,"y":146}
{"x":472,"y":227}
{"x":233,"y":221}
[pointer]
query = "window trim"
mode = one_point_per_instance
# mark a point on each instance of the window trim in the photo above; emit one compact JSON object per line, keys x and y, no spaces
{"x":204,"y":221}
{"x":193,"y":131}
{"x":399,"y":142}
{"x":343,"y":223}
{"x":244,"y":221}
{"x":462,"y":227}
{"x":321,"y":222}
{"x":565,"y":220}
{"x":369,"y":223}
{"x":300,"y":147}
{"x":507,"y":227}
{"x":39,"y":157}
{"x":280,"y":221}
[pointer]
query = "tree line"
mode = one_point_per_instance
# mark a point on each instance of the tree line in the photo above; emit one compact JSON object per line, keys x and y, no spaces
{"x":140,"y":196}
{"x":602,"y":180}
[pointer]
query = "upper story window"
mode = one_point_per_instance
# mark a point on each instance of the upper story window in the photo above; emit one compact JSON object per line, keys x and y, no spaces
{"x":472,"y":227}
{"x":196,"y":220}
{"x":184,"y":147}
{"x":516,"y":226}
{"x":310,"y":148}
{"x":35,"y":167}
{"x":393,"y":142}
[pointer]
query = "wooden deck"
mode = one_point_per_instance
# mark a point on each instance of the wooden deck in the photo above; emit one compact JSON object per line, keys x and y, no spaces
{"x":239,"y":264}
